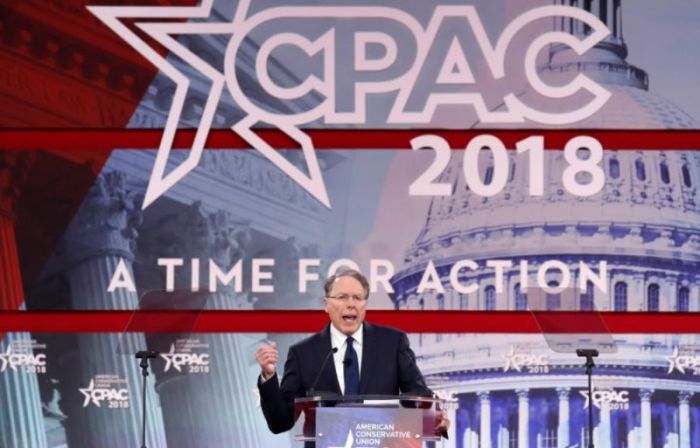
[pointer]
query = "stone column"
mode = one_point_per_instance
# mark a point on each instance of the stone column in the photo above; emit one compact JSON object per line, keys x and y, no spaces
{"x":645,"y":411}
{"x":21,"y":421}
{"x":11,"y":173}
{"x":450,"y":408}
{"x":603,"y":301}
{"x":485,"y":414}
{"x":215,"y":407}
{"x":563,"y":427}
{"x":523,"y":418}
{"x":636,"y":293}
{"x":509,"y":292}
{"x":98,"y":241}
{"x":604,"y":433}
{"x":684,"y":418}
{"x":668,"y":294}
{"x":694,"y":296}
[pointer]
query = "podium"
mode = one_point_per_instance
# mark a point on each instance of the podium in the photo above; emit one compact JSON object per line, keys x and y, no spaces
{"x":385,"y":421}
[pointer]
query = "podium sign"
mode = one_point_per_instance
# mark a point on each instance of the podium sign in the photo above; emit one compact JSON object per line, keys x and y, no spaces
{"x":368,"y":421}
{"x":344,"y":427}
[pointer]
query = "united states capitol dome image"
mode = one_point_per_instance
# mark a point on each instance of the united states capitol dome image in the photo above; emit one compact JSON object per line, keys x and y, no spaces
{"x":642,"y":229}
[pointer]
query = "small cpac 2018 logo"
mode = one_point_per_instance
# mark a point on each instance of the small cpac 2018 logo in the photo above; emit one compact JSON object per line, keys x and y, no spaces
{"x":195,"y":362}
{"x":532,"y":363}
{"x":349,"y":72}
{"x":35,"y":363}
{"x":683,"y":362}
{"x":116,"y":398}
{"x":614,"y":399}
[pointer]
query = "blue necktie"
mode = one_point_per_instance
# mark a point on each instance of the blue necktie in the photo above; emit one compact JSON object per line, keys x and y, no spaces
{"x":352,"y":370}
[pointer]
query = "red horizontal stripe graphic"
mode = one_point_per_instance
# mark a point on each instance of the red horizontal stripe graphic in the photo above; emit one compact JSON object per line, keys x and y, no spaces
{"x":108,"y":139}
{"x":296,"y":321}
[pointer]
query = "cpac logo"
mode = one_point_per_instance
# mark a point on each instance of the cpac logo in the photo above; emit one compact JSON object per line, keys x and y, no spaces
{"x":97,"y":395}
{"x":682,"y":362}
{"x":533,"y":363}
{"x":615,"y":399}
{"x":424,"y":66}
{"x":196,"y":363}
{"x":14,"y":360}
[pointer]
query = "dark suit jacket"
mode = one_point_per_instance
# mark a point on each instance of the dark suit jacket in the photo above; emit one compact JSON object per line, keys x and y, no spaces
{"x":388,"y":368}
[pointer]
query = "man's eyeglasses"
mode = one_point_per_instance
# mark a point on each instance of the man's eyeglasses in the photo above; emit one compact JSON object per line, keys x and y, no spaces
{"x":346,"y":298}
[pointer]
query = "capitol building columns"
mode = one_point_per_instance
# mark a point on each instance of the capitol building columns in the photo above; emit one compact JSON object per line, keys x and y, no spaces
{"x":21,"y":421}
{"x":96,"y":246}
{"x":645,"y":416}
{"x":604,"y":433}
{"x":601,"y":298}
{"x":485,"y":419}
{"x":563,"y":426}
{"x":637,"y":293}
{"x":508,"y":296}
{"x":523,"y":418}
{"x":694,"y":297}
{"x":684,"y":418}
{"x":546,"y":415}
{"x":668,"y":294}
{"x":452,"y":417}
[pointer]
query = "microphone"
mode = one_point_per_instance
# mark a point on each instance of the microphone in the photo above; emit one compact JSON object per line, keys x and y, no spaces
{"x":147,"y":354}
{"x":586,"y":352}
{"x":311,"y":392}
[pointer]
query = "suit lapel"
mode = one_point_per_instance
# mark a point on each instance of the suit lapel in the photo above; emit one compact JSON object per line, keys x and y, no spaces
{"x":329,"y":375}
{"x":368,"y":354}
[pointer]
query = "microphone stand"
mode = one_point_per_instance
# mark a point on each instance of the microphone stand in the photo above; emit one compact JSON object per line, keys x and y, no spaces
{"x":589,"y":354}
{"x":144,"y":356}
{"x":312,"y":390}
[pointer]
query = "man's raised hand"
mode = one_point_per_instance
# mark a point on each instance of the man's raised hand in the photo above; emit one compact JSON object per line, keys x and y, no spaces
{"x":267,"y":356}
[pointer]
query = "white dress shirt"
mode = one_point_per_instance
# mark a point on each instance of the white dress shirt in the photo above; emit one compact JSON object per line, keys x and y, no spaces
{"x":339,"y":340}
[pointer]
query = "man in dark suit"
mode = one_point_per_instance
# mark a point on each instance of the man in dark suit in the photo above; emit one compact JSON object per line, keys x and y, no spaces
{"x":349,"y":357}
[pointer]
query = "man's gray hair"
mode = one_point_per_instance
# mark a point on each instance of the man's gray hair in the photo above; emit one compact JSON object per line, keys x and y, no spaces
{"x":328,"y":286}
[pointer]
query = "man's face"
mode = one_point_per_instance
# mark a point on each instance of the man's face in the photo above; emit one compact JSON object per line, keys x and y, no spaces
{"x":343,"y":307}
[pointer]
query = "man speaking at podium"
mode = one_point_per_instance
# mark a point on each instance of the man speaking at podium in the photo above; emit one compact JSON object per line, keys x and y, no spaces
{"x":348,"y":357}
